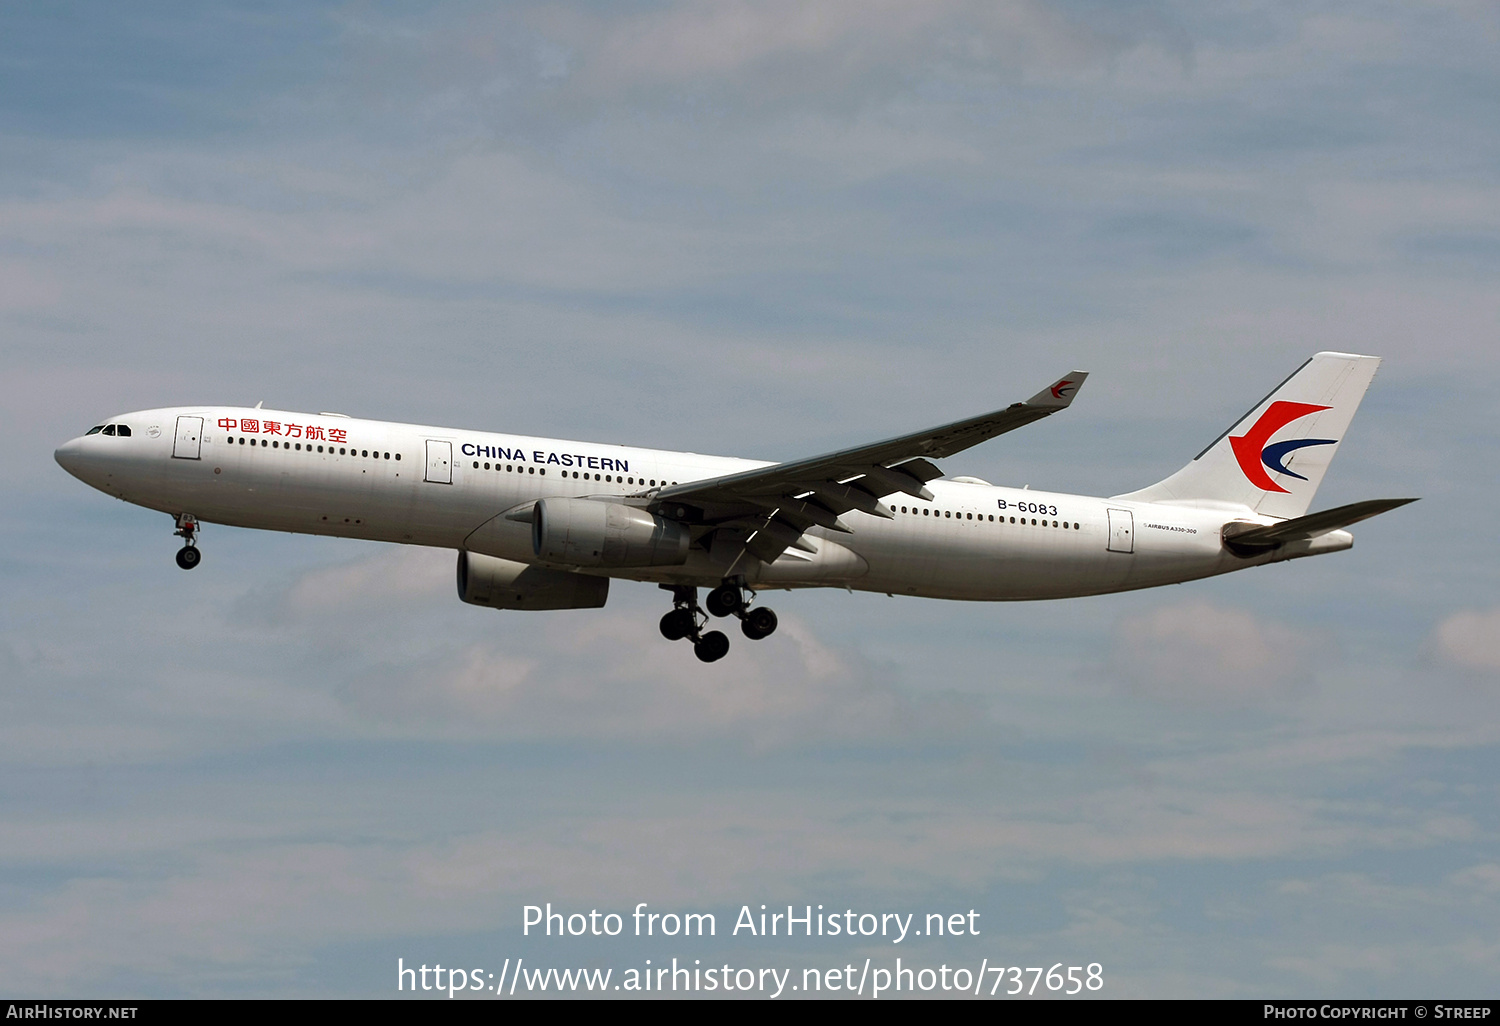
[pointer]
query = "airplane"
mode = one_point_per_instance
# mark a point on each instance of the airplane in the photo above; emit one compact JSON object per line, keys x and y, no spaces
{"x":543,"y":523}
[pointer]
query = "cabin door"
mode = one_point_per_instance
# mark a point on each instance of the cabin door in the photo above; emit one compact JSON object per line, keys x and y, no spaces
{"x":189,"y":438}
{"x":1121,"y":530}
{"x":439,"y":462}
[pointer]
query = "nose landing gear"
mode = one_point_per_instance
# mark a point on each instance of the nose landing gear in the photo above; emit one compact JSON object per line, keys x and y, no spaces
{"x":187,"y":529}
{"x":687,"y":620}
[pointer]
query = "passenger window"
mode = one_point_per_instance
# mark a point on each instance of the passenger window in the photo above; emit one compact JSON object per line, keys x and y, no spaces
{"x":398,"y":455}
{"x":123,"y":431}
{"x":94,"y":430}
{"x":109,"y":429}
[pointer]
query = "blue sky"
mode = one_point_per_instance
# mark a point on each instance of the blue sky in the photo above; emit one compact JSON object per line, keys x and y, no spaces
{"x":760,"y":230}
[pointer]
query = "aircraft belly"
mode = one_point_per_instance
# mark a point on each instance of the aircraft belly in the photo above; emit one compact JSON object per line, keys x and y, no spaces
{"x":999,"y":561}
{"x":982,"y":562}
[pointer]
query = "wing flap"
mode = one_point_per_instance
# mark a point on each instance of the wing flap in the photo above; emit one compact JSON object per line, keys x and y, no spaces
{"x":834,"y":495}
{"x":818,"y":491}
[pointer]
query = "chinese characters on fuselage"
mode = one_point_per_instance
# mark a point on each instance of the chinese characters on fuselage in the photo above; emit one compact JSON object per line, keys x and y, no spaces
{"x":311,"y":432}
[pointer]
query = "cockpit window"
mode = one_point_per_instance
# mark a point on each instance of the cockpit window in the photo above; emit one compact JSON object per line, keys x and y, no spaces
{"x":109,"y":429}
{"x":95,"y":429}
{"x":123,"y":431}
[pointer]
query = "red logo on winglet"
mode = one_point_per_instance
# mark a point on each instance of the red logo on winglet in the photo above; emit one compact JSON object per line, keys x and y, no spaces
{"x":1061,"y":387}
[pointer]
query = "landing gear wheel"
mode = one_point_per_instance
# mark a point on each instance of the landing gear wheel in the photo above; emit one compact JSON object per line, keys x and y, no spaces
{"x":758,"y":623}
{"x":725,"y":600}
{"x":711,"y":647}
{"x":187,"y":529}
{"x":677,"y":624}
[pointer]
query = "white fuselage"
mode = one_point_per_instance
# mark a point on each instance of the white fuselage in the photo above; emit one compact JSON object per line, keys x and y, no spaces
{"x":418,"y":485}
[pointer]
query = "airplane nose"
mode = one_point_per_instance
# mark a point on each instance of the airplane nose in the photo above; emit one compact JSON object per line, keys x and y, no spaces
{"x":69,"y":456}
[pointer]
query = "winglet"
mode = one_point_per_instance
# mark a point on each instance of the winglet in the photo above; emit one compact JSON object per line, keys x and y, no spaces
{"x":1061,"y":392}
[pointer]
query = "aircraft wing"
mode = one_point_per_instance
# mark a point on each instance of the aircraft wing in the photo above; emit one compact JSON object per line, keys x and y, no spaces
{"x":772,"y":506}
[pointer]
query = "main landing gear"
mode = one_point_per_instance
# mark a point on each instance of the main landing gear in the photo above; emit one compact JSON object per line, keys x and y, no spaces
{"x":687,"y":619}
{"x":732,"y":598}
{"x":187,"y":529}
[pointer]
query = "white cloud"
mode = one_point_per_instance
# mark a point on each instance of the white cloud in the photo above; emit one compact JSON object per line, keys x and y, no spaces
{"x":193,"y":899}
{"x":1470,"y":639}
{"x":799,"y":47}
{"x":396,"y":575}
{"x":612,"y":677}
{"x":1484,"y":877}
{"x":1200,"y":653}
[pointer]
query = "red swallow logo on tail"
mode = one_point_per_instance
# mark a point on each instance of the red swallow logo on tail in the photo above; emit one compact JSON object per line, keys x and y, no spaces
{"x":1255,"y":456}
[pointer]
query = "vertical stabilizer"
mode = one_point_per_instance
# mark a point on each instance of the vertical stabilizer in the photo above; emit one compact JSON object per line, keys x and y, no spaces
{"x":1273,"y":458}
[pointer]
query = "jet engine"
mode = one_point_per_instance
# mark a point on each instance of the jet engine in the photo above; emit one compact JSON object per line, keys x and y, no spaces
{"x":505,"y":584}
{"x":591,"y":532}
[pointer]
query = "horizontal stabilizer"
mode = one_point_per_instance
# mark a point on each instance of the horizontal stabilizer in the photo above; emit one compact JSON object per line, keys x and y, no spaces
{"x":1250,"y":539}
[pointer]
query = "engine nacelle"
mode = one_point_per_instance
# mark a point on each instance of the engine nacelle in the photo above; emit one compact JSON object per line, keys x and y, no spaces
{"x":591,"y":532}
{"x":505,"y":584}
